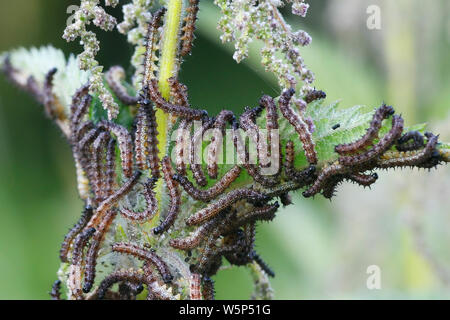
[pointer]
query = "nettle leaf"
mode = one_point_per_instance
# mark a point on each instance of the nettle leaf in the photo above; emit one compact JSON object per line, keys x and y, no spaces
{"x":36,"y":62}
{"x":353,"y":123}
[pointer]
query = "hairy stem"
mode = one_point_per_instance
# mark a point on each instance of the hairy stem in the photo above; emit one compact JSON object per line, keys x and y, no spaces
{"x":168,"y":68}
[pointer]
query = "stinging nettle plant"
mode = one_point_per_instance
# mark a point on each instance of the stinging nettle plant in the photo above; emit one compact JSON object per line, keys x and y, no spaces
{"x":159,"y":217}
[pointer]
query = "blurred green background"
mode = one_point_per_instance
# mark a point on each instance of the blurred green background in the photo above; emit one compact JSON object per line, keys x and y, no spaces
{"x":318,"y":249}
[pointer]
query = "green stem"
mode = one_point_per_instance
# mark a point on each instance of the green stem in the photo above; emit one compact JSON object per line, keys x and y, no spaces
{"x":168,"y":68}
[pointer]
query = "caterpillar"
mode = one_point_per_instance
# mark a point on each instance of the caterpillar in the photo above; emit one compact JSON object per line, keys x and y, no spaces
{"x":161,"y":292}
{"x":194,"y":239}
{"x":180,"y":97}
{"x":82,"y":180}
{"x":247,"y":123}
{"x":326,"y":173}
{"x":411,"y":158}
{"x":266,"y":213}
{"x":125,"y":145}
{"x":217,"y":141}
{"x":139,"y":154}
{"x":285,"y":199}
{"x":29,"y":85}
{"x":189,"y":27}
{"x":109,"y":202}
{"x":55,"y":294}
{"x":48,"y":96}
{"x":196,"y":153}
{"x":146,"y":141}
{"x":255,"y":173}
{"x":94,"y":247}
{"x":244,"y":158}
{"x":80,"y":93}
{"x":82,"y":131}
{"x":195,"y":287}
{"x":299,"y":125}
{"x":434,"y":160}
{"x":249,"y":236}
{"x":403,"y":143}
{"x":82,"y":222}
{"x":129,"y":290}
{"x":182,"y":146}
{"x":114,"y":77}
{"x":380,"y":114}
{"x":242,"y":154}
{"x":175,"y":110}
{"x":152,"y":204}
{"x":384,"y":144}
{"x":222,"y":203}
{"x":365,"y":180}
{"x":435,"y":157}
{"x":97,"y":164}
{"x":33,"y":88}
{"x":239,"y":245}
{"x":110,"y":171}
{"x":151,"y":47}
{"x":148,"y":270}
{"x":268,"y":103}
{"x":249,"y":240}
{"x":178,"y":92}
{"x":74,"y":282}
{"x":208,"y":291}
{"x":150,"y":140}
{"x":88,"y":139}
{"x":131,"y":276}
{"x":214,"y":149}
{"x":303,"y":177}
{"x":210,"y":259}
{"x":248,"y":118}
{"x":85,"y":152}
{"x":330,"y":186}
{"x":310,"y":123}
{"x":175,"y":198}
{"x":262,"y":264}
{"x":214,"y":191}
{"x":79,"y":244}
{"x":145,"y":255}
{"x":314,"y":95}
{"x":78,"y":114}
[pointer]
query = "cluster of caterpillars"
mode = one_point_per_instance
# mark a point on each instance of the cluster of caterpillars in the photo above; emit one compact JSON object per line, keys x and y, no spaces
{"x":225,"y":224}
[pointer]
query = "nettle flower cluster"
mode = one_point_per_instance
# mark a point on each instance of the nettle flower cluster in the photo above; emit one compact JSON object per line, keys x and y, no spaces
{"x":160,"y":227}
{"x":242,"y":22}
{"x":246,"y":21}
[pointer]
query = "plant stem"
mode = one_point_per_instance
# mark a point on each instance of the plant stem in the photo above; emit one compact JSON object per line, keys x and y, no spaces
{"x":168,"y":68}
